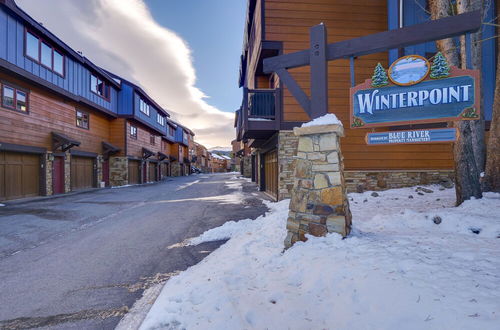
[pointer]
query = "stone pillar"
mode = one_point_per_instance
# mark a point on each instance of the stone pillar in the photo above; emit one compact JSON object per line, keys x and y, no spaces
{"x":176,"y":169}
{"x":48,"y":173}
{"x":319,"y":203}
{"x":118,"y":171}
{"x":287,"y":150}
{"x":67,"y":172}
{"x":99,"y":161}
{"x":247,"y":166}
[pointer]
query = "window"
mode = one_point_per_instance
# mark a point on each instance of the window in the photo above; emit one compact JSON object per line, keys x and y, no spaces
{"x":133,"y":131}
{"x":43,"y":53}
{"x":14,"y":98}
{"x":144,"y":107}
{"x":152,"y":139}
{"x":171,"y":131}
{"x":160,"y":119}
{"x":99,"y":87}
{"x":184,"y":136}
{"x":82,"y":119}
{"x":58,"y":63}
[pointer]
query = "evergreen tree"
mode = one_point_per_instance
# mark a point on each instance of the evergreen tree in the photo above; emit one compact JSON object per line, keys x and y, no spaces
{"x":379,"y":77}
{"x":440,"y":67}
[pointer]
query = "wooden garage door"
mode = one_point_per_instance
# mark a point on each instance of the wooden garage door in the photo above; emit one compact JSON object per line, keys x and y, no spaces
{"x":82,"y":173}
{"x":19,"y":175}
{"x":133,"y":172}
{"x":153,"y":172}
{"x":271,"y":172}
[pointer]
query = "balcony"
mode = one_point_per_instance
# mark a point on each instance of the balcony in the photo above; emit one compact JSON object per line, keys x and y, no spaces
{"x":259,"y":115}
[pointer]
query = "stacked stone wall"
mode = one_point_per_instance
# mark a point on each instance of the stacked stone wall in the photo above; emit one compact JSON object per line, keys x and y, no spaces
{"x":118,"y":171}
{"x":247,"y":166}
{"x":359,"y":181}
{"x":287,"y":150}
{"x":176,"y":169}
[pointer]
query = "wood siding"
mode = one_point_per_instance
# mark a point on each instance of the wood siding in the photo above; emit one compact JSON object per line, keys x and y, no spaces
{"x":134,"y":146}
{"x":48,"y":113}
{"x":289,"y":21}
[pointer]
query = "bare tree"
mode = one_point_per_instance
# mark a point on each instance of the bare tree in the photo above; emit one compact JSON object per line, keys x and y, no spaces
{"x":469,"y":149}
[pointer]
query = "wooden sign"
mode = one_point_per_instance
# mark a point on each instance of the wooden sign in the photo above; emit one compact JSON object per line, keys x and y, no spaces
{"x":414,"y":92}
{"x":438,"y":135}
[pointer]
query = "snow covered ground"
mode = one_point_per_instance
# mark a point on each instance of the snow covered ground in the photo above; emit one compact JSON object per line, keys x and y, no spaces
{"x":398,"y":270}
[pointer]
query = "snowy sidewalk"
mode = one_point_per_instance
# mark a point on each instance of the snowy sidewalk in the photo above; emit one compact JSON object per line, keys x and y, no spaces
{"x":398,"y":270}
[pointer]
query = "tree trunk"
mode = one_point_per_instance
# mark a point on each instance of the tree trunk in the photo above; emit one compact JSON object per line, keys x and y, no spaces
{"x":469,"y":148}
{"x":491,"y":180}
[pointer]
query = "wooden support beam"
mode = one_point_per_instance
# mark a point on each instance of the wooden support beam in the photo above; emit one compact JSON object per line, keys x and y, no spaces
{"x":419,"y":33}
{"x":319,"y":72}
{"x":295,"y":89}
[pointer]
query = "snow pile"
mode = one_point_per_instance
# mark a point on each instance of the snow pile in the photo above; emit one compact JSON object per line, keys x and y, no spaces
{"x":411,"y":263}
{"x":328,"y":119}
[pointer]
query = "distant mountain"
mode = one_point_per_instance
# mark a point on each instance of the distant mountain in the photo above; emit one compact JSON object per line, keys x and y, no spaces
{"x":221,"y":150}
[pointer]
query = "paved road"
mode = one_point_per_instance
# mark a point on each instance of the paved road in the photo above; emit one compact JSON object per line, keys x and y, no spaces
{"x":79,"y":262}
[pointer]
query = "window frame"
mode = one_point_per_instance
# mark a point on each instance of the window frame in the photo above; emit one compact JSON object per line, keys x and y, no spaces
{"x":146,"y":105}
{"x":107,"y":87}
{"x":160,"y":117}
{"x":88,"y":119}
{"x":16,"y":89}
{"x":152,"y":139}
{"x":39,"y":59}
{"x":133,"y":135}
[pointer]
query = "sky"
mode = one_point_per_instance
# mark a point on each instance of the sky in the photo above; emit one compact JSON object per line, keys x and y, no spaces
{"x":184,"y":53}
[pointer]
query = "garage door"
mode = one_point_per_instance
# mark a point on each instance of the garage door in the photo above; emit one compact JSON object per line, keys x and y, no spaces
{"x":133,"y":172}
{"x":19,"y":175}
{"x":82,"y":173}
{"x":271,"y":173}
{"x":153,"y":172}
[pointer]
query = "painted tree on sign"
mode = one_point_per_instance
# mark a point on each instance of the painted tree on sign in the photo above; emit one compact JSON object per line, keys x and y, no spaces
{"x":440,"y":67}
{"x":379,"y":77}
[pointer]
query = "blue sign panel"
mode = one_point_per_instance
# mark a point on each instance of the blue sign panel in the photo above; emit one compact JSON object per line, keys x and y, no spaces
{"x":431,"y":99}
{"x":412,"y":136}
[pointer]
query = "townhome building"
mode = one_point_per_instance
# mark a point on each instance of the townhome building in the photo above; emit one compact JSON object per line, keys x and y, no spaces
{"x":55,"y":112}
{"x":67,"y":125}
{"x":183,"y":137}
{"x":269,"y":112}
{"x":201,"y":157}
{"x":138,"y":132}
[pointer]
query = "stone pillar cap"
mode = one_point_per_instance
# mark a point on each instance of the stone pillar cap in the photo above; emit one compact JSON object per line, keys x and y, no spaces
{"x":319,"y":129}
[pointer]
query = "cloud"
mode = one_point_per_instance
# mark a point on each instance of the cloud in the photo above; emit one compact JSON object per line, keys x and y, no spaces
{"x":123,"y":37}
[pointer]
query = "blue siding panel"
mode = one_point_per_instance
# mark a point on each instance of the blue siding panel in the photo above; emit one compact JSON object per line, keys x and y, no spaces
{"x":77,"y":77}
{"x":3,"y":34}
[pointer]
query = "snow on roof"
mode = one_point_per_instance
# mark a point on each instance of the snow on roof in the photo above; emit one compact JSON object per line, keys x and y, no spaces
{"x":217,"y":156}
{"x":328,"y":119}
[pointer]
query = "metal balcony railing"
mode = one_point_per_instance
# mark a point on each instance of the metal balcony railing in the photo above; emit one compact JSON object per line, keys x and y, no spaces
{"x":261,"y":103}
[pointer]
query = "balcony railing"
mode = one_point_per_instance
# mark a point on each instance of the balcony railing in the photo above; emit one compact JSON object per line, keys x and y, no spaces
{"x":261,"y":103}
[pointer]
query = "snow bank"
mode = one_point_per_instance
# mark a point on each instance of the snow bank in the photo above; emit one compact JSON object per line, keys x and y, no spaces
{"x":328,"y":119}
{"x":398,"y":270}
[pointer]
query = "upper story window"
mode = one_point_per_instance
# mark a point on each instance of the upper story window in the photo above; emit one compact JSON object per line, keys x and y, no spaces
{"x":43,"y":53}
{"x":160,"y":119}
{"x":171,"y":130}
{"x":133,"y":132}
{"x":144,"y":107}
{"x":184,"y":135}
{"x":99,"y":87}
{"x":14,"y":98}
{"x":82,"y":119}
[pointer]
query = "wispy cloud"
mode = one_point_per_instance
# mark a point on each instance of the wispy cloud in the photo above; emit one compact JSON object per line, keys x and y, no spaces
{"x":123,"y":37}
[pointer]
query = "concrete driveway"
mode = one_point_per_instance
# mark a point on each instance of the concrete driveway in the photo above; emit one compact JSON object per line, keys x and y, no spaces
{"x":81,"y":261}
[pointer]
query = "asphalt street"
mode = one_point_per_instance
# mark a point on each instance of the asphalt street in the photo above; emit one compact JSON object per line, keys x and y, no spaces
{"x":81,"y":261}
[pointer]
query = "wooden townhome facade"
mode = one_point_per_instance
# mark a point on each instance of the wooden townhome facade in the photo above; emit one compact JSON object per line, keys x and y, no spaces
{"x":269,"y":112}
{"x":183,"y":137}
{"x":65,"y":123}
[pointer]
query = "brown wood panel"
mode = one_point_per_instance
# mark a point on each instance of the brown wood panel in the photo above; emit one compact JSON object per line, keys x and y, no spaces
{"x":47,"y":113}
{"x":133,"y":172}
{"x":271,"y":173}
{"x":117,"y":131}
{"x":82,"y":173}
{"x":134,"y":146}
{"x":19,"y":175}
